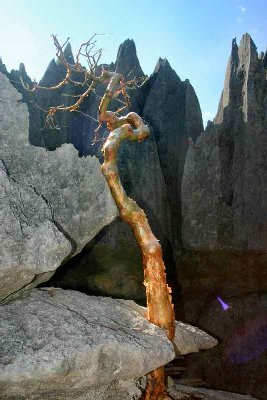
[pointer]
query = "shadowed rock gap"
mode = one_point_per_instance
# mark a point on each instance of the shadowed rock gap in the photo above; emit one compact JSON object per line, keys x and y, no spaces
{"x":112,"y":267}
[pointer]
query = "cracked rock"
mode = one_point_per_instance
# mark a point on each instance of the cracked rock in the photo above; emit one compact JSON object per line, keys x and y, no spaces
{"x":51,"y":203}
{"x":188,"y":338}
{"x":57,"y":342}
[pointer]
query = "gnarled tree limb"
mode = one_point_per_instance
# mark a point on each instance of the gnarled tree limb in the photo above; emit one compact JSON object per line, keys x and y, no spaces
{"x":159,"y":303}
{"x":132,"y":128}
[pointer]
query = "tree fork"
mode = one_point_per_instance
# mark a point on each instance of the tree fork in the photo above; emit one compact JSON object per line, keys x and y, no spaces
{"x":158,"y":294}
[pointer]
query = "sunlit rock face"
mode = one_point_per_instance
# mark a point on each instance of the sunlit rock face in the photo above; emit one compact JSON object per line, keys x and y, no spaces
{"x":49,"y":207}
{"x":172,"y":108}
{"x":224,"y":189}
{"x":187,"y":339}
{"x":224,"y":209}
{"x":59,"y":344}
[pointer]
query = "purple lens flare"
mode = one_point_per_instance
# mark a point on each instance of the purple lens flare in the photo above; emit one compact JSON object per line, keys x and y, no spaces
{"x":223,"y":304}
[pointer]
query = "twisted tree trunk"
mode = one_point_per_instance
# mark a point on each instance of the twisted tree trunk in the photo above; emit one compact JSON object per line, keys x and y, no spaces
{"x":131,"y":127}
{"x":159,"y":302}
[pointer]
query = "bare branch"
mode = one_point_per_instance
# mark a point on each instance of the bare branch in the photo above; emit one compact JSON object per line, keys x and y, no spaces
{"x":56,"y":87}
{"x":40,"y":108}
{"x":86,"y":115}
{"x":86,"y":45}
{"x":89,"y":82}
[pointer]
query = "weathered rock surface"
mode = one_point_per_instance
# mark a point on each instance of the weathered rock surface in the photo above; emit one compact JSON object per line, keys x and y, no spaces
{"x":188,"y":338}
{"x":224,"y":189}
{"x":52,"y":203}
{"x":58,"y":341}
{"x":172,"y":108}
{"x":129,"y":389}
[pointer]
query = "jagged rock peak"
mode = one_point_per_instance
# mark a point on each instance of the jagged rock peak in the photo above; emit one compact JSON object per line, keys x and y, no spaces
{"x":188,"y":86}
{"x":231,"y":71}
{"x":55,"y":71}
{"x":127,"y":62}
{"x":3,"y":67}
{"x":23,"y":73}
{"x":164,"y":68}
{"x":239,"y":78}
{"x":234,"y":52}
{"x":22,"y":69}
{"x":20,"y":72}
{"x":247,"y":51}
{"x":193,"y":115}
{"x":50,"y":73}
{"x":68,"y":53}
{"x":162,"y":63}
{"x":265,"y":60}
{"x":246,"y":42}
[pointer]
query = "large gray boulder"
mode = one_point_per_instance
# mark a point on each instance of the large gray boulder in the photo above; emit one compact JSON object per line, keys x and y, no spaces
{"x":224,"y":188}
{"x":51,"y":203}
{"x":58,"y":341}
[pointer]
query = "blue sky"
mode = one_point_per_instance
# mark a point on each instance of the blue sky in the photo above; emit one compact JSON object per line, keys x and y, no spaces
{"x":195,"y":36}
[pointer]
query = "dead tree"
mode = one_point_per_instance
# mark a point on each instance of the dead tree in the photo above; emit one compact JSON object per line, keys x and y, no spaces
{"x":129,"y":127}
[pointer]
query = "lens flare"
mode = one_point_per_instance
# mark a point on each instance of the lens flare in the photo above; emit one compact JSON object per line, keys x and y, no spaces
{"x":223,"y":304}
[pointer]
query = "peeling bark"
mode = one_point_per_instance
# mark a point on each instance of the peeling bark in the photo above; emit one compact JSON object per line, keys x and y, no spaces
{"x":158,"y":294}
{"x":130,"y":127}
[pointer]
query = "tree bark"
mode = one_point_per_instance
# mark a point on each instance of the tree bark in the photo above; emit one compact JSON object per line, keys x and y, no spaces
{"x":158,"y":294}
